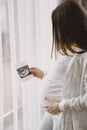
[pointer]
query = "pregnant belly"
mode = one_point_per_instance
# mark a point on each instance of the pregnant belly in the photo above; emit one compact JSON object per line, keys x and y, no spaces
{"x":52,"y":89}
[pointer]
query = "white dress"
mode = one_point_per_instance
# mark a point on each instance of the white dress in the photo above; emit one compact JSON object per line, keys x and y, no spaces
{"x":54,"y":81}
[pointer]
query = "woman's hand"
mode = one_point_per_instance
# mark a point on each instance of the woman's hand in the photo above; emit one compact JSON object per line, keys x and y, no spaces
{"x":52,"y":106}
{"x":37,"y":72}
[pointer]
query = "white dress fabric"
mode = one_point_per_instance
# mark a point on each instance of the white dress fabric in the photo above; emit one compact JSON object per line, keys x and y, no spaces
{"x":53,"y":82}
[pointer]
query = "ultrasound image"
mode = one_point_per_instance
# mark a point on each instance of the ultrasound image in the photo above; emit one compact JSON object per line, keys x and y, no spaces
{"x":23,"y":71}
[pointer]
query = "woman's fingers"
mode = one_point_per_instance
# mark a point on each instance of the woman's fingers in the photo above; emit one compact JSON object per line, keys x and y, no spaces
{"x":51,"y":100}
{"x":52,"y":108}
{"x":47,"y":106}
{"x":37,"y":72}
{"x":32,"y":70}
{"x":49,"y":110}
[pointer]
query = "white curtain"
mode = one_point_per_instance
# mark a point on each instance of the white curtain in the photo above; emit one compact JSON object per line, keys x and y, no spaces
{"x":25,"y":35}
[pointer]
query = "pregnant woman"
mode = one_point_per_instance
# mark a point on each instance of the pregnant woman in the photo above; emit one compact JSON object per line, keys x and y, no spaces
{"x":65,"y":87}
{"x":52,"y":84}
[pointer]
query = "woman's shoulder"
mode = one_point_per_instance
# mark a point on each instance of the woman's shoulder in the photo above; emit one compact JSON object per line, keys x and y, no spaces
{"x":84,"y":55}
{"x":72,"y":56}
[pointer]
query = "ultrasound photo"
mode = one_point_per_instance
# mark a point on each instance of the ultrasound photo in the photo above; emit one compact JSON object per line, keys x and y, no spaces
{"x":24,"y":71}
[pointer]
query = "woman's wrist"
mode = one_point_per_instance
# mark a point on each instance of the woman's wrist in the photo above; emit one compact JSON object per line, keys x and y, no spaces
{"x":61,"y":105}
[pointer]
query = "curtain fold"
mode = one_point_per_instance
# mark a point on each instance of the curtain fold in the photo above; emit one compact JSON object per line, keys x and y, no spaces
{"x":25,"y":36}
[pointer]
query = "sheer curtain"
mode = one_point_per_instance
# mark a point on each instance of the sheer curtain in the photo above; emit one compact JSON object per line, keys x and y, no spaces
{"x":25,"y":35}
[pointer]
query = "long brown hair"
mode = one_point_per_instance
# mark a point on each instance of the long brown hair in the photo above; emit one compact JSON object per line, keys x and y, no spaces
{"x":69,"y":26}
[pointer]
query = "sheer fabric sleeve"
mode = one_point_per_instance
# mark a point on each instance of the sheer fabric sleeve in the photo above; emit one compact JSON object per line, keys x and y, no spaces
{"x":78,"y":103}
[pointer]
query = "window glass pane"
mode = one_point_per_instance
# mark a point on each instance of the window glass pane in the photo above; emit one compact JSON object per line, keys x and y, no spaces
{"x":19,"y":94}
{"x":20,"y":119}
{"x":1,"y":124}
{"x":8,"y":122}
